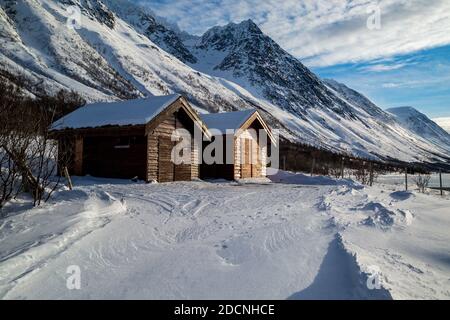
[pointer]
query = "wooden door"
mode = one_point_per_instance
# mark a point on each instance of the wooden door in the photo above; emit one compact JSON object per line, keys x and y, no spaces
{"x":183,"y":170}
{"x":166,"y":168}
{"x":255,"y":160}
{"x":246,"y":166}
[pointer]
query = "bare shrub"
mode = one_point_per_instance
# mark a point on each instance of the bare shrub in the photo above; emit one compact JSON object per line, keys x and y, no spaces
{"x":422,"y":182}
{"x":362,"y":174}
{"x":28,"y":155}
{"x":10,"y":179}
{"x":335,"y":172}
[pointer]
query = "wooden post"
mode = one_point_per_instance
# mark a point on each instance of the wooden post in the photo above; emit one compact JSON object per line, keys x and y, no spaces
{"x":440,"y":182}
{"x":69,"y":180}
{"x":313,"y":166}
{"x":406,"y":178}
{"x":342,"y":168}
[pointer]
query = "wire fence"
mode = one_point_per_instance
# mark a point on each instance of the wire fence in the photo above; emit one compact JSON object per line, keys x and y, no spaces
{"x":400,"y":179}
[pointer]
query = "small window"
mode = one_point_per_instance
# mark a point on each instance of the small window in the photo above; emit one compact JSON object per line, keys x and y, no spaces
{"x":123,"y":143}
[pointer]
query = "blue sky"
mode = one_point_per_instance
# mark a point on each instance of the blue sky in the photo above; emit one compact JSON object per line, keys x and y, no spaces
{"x":397,"y":52}
{"x":420,"y":79}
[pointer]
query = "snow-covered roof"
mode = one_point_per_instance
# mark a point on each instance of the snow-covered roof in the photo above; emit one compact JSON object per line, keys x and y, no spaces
{"x":121,"y":113}
{"x":226,"y":120}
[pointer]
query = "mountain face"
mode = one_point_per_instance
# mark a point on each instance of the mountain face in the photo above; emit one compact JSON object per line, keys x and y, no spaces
{"x":122,"y":51}
{"x":357,"y":99}
{"x":420,"y":124}
{"x":255,"y":61}
{"x":143,"y":20}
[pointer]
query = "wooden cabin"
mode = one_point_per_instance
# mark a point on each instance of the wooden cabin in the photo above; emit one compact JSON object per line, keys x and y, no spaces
{"x":245,"y":157}
{"x":128,"y":139}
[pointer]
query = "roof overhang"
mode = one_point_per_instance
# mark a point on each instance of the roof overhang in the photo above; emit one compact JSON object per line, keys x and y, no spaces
{"x":256,"y":116}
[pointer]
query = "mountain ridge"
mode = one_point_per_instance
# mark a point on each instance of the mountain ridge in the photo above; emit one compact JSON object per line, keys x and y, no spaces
{"x":419,"y":123}
{"x":122,"y":51}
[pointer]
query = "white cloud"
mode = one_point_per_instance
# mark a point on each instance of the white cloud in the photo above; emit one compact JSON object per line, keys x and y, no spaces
{"x":443,"y":123}
{"x":325,"y":32}
{"x":383,"y":67}
{"x":390,"y":85}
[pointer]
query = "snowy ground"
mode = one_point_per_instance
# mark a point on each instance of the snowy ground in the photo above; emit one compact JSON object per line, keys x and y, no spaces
{"x":295,"y":238}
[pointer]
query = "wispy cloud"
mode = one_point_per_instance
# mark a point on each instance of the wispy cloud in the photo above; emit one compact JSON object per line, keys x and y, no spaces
{"x":324,"y":32}
{"x":383,"y":67}
{"x":443,"y":123}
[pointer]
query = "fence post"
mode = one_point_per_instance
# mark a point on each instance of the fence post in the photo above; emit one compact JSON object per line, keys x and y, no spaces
{"x":342,"y":168}
{"x":440,"y":182}
{"x":406,"y":178}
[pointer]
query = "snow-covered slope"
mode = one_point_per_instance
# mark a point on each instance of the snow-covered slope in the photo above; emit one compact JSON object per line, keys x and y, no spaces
{"x":121,"y":51}
{"x":106,"y":59}
{"x":423,"y":126}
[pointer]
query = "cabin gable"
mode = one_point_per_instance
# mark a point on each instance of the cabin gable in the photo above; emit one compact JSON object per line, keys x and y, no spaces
{"x":160,"y":166}
{"x":248,"y":157}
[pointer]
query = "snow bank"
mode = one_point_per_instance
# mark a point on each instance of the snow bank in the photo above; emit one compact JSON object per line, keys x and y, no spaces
{"x":340,"y":277}
{"x":302,"y":179}
{"x":44,"y":233}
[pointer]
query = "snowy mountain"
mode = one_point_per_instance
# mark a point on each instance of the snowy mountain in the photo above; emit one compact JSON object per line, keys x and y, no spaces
{"x":420,"y":124}
{"x":122,"y":51}
{"x":243,"y":53}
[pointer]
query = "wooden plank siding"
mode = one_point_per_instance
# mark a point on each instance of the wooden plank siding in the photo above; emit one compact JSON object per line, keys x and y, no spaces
{"x":160,"y":166}
{"x":250,"y":158}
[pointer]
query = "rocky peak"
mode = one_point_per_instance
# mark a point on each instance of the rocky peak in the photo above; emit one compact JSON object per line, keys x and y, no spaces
{"x":251,"y":55}
{"x":220,"y":38}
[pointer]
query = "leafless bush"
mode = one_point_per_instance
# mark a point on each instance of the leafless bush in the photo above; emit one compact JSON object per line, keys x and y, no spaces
{"x":9,"y":179}
{"x":9,"y":173}
{"x":362,"y":174}
{"x":422,"y":181}
{"x":28,"y":155}
{"x":335,"y":172}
